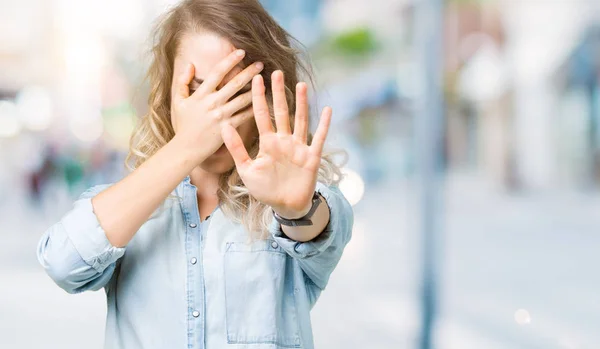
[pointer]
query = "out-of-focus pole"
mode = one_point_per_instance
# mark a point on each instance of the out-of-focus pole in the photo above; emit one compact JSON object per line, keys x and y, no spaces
{"x":429,"y":134}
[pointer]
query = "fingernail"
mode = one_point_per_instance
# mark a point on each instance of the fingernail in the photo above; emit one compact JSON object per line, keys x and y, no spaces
{"x":240,"y":53}
{"x":260,"y":65}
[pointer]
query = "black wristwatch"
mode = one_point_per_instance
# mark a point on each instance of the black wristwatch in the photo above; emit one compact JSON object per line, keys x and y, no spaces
{"x":302,"y":221}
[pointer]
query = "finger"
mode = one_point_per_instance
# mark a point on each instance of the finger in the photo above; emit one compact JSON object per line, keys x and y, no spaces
{"x":260,"y":106}
{"x":219,"y":72}
{"x":301,"y":122}
{"x":280,"y":107}
{"x":239,"y":82}
{"x":241,"y":117}
{"x":238,"y":103}
{"x":183,"y":82}
{"x":236,"y":147}
{"x":321,"y":134}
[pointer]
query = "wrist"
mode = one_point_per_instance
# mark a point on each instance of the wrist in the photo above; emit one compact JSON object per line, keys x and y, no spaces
{"x":187,"y":149}
{"x":292,"y":214}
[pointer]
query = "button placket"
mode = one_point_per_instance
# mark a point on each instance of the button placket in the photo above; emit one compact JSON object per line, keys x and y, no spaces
{"x":195,"y":277}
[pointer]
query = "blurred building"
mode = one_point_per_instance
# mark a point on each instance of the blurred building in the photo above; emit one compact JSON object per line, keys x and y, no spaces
{"x":578,"y":84}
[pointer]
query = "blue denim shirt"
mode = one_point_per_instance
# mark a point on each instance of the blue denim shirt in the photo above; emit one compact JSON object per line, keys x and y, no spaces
{"x":186,"y":283}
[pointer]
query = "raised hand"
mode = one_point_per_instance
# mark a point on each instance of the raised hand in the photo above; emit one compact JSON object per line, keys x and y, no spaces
{"x":284,"y":173}
{"x":199,"y":112}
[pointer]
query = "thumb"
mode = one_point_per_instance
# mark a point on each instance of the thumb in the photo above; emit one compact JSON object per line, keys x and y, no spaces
{"x":235,"y":145}
{"x":183,"y":81}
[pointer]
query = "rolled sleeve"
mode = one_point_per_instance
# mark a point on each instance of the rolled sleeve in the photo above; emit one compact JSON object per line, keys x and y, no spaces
{"x":88,"y":237}
{"x":75,"y":251}
{"x":319,"y":257}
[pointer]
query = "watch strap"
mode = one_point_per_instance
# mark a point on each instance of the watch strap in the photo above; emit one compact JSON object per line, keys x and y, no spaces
{"x":302,"y":221}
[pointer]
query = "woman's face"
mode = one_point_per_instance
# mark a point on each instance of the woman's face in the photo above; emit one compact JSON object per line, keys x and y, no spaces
{"x":205,"y":51}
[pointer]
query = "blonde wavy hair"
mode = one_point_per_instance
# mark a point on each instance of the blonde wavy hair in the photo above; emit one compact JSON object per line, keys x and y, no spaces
{"x":247,"y":25}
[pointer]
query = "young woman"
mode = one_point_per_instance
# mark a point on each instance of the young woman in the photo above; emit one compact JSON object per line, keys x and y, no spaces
{"x":230,"y":224}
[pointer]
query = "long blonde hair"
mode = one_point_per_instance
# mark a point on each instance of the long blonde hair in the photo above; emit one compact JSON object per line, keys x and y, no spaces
{"x":247,"y":25}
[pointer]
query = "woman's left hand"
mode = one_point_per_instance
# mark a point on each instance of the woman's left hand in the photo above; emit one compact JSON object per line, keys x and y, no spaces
{"x":284,"y":173}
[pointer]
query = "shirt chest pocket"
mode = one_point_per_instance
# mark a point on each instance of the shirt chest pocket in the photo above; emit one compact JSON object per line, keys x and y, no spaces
{"x":260,"y":306}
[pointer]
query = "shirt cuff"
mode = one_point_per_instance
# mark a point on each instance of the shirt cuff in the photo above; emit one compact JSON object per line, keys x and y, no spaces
{"x":88,"y":237}
{"x":311,"y":248}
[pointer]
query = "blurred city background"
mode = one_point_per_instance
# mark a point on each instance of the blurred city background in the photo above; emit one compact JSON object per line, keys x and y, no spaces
{"x":520,"y":211}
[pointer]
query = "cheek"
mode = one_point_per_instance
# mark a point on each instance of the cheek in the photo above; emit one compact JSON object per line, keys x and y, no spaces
{"x":248,"y":132}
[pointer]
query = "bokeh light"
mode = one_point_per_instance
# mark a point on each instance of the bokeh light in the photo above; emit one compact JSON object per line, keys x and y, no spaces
{"x":35,"y":108}
{"x":9,"y":119}
{"x":352,"y":186}
{"x":522,"y":317}
{"x":89,"y":128}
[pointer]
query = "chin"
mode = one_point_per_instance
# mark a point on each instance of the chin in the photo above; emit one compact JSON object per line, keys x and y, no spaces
{"x":218,"y":164}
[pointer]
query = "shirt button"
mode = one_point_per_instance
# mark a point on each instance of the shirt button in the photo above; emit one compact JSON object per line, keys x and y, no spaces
{"x":193,"y":260}
{"x":274,"y":244}
{"x":193,"y":225}
{"x":196,"y":313}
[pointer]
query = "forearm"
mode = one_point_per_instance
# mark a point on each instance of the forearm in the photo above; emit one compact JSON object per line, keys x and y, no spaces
{"x":306,"y":233}
{"x":125,"y":206}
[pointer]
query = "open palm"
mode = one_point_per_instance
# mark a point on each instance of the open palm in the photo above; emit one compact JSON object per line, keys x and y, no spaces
{"x":284,"y":173}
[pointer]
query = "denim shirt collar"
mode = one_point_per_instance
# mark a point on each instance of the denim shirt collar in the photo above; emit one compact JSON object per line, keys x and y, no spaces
{"x":186,"y":185}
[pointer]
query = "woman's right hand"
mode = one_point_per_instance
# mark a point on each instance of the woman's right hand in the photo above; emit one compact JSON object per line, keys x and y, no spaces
{"x":197,"y":117}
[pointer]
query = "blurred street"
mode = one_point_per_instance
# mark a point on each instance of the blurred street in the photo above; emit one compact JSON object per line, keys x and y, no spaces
{"x":501,"y":253}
